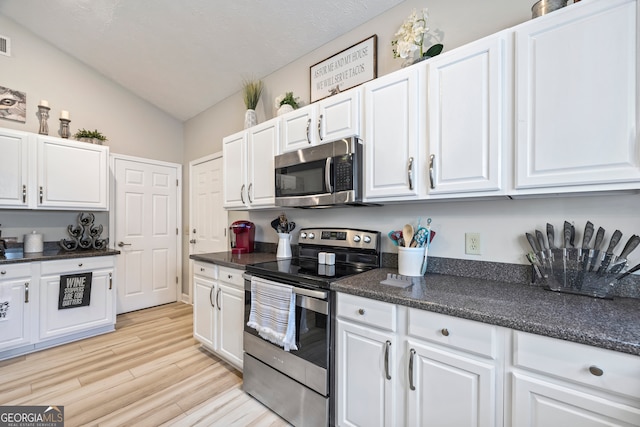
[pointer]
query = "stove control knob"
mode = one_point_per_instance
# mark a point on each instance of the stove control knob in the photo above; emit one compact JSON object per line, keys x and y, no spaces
{"x":312,"y":236}
{"x":367,"y":239}
{"x":356,"y":238}
{"x":303,"y":235}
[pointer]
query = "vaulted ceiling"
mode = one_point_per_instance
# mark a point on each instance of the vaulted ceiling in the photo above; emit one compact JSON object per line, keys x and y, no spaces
{"x":184,"y":56}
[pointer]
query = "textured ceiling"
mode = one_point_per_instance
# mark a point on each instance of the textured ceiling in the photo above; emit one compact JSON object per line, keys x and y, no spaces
{"x":184,"y":56}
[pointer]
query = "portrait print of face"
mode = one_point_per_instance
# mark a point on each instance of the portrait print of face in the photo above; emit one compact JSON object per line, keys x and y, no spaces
{"x":13,"y":104}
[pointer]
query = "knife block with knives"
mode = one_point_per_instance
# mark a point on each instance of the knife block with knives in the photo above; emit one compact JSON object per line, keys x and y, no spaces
{"x":586,"y":270}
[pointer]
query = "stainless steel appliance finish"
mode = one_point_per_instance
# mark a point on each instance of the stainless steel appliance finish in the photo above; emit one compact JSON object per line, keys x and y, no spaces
{"x":298,"y":384}
{"x":328,"y":174}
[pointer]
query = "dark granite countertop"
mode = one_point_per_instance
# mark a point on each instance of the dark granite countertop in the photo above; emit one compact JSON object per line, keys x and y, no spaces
{"x":611,"y":324}
{"x":239,"y":261}
{"x":16,"y":255}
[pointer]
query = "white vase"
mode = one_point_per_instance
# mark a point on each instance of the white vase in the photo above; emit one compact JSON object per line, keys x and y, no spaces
{"x":284,"y":246}
{"x":250,"y":118}
{"x":284,"y":109}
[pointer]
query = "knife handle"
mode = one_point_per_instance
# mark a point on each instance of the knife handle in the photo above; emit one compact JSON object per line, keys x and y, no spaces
{"x":532,"y":242}
{"x":588,"y":233}
{"x":617,"y":235}
{"x":630,"y":246}
{"x":599,"y":238}
{"x":551,"y":236}
{"x":541,"y":241}
{"x":567,"y":234}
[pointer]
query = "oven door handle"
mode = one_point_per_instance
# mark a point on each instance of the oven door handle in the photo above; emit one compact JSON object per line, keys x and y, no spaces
{"x":298,"y":291}
{"x":327,"y":174}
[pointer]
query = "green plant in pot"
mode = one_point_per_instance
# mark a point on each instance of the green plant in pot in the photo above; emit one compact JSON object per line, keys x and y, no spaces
{"x":92,"y":136}
{"x":251,"y":91}
{"x":286,"y":103}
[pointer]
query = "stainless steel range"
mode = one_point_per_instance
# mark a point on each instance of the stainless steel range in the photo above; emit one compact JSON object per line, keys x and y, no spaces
{"x":297,"y":384}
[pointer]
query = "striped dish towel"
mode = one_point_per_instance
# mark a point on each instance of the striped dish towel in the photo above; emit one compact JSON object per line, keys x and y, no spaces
{"x":273,"y":312}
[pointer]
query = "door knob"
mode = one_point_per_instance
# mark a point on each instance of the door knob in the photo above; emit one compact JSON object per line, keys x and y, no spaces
{"x":121,"y":244}
{"x":192,"y":241}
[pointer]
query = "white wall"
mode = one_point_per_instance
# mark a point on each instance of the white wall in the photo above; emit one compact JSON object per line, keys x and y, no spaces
{"x":502,"y":223}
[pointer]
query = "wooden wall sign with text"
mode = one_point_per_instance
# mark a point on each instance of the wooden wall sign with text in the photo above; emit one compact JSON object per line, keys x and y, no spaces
{"x":75,"y":290}
{"x":346,"y":69}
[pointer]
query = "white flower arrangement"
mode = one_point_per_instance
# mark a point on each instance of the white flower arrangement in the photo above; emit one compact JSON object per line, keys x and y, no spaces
{"x":410,"y":37}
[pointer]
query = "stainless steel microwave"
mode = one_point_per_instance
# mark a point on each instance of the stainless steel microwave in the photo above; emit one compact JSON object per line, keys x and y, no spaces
{"x":328,"y":174}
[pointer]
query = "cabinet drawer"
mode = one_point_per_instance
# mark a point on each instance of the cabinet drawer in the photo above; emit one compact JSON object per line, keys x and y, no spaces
{"x":13,"y":271}
{"x":370,"y":312}
{"x":454,"y":332}
{"x":232,"y":276}
{"x":205,"y":270}
{"x":605,"y":369}
{"x":69,"y":266}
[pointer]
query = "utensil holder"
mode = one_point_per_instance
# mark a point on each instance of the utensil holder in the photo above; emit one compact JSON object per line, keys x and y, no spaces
{"x":284,"y":246}
{"x":410,"y":261}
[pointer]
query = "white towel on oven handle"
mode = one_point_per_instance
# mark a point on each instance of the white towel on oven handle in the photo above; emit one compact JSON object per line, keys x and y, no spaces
{"x":273,"y":312}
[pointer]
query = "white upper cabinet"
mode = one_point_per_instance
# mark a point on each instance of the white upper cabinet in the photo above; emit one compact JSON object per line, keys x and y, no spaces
{"x":332,"y":118}
{"x":72,"y":175}
{"x":52,"y":173}
{"x":466,"y":111}
{"x":394,"y":124}
{"x":14,"y":169}
{"x":248,"y":166}
{"x":577,"y":99}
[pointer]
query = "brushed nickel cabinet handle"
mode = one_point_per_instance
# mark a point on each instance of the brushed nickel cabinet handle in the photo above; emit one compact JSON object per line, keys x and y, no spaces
{"x":596,"y":371}
{"x":411,"y":357}
{"x":432,"y":179}
{"x":26,"y":292}
{"x":249,"y":192}
{"x":213,"y":304}
{"x":80,"y":265}
{"x":320,"y":128}
{"x":410,"y":173}
{"x":386,"y":359}
{"x":308,"y":130}
{"x":445,"y":332}
{"x":110,"y":281}
{"x":242,"y":194}
{"x":361,"y":311}
{"x":24,"y":194}
{"x":218,"y":299}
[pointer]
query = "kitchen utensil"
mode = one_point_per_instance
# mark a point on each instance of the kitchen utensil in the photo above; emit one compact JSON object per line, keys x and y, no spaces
{"x":401,"y":281}
{"x":533,"y":242}
{"x":571,"y":263}
{"x":604,"y":265}
{"x":395,"y":237}
{"x":535,"y":263}
{"x":631,"y":245}
{"x":407,"y":232}
{"x":585,"y":253}
{"x":550,"y":236}
{"x":595,"y":256}
{"x":573,"y":236}
{"x":543,"y":247}
{"x":275,"y":224}
{"x":291,"y":226}
{"x":628,"y":272}
{"x":430,"y":235}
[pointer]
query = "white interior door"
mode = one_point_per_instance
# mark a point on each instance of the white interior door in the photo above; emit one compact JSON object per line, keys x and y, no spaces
{"x":146,"y":233}
{"x":209,"y":220}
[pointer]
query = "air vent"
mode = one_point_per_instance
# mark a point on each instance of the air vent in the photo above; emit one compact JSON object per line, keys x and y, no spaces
{"x":5,"y":46}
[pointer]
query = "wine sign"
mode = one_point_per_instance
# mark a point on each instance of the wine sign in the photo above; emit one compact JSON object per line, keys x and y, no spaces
{"x":75,"y":290}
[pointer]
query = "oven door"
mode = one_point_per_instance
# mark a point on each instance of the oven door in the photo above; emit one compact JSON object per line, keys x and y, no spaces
{"x":309,"y":364}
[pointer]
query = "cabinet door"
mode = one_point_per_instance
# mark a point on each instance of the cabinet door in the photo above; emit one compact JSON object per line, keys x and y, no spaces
{"x":447,"y":389}
{"x":466,"y":115}
{"x":72,"y":175}
{"x":100,"y":312}
{"x":14,"y":169}
{"x":230,"y":315}
{"x":339,"y":116}
{"x":297,"y":129}
{"x":234,"y":167}
{"x":365,"y":394}
{"x":576,"y":98}
{"x":204,"y":311}
{"x":394,"y":105}
{"x":15,"y":313}
{"x":539,"y":403}
{"x":262,"y":147}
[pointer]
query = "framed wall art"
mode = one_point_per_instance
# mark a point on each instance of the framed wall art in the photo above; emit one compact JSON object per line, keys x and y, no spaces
{"x":346,"y":69}
{"x":13,"y":104}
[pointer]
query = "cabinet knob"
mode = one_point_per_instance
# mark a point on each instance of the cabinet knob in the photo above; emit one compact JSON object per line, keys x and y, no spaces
{"x":201,"y":268}
{"x":229,"y":277}
{"x":3,"y":272}
{"x":80,"y":265}
{"x":361,"y":311}
{"x":445,"y":332}
{"x":596,"y":371}
{"x":192,"y":241}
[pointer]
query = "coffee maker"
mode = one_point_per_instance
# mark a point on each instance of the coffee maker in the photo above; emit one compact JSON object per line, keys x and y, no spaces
{"x":242,"y":237}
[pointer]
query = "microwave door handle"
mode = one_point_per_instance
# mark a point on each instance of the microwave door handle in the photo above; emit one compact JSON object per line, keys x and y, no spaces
{"x":327,"y":174}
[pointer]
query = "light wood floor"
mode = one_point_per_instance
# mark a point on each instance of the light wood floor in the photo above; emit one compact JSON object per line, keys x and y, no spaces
{"x":149,"y":372}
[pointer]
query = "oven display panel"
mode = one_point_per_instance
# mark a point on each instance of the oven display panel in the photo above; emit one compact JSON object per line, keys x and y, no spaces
{"x":334,"y":235}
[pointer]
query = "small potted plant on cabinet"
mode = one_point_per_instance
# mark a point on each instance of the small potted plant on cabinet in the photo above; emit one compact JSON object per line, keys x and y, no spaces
{"x":91,"y":136}
{"x":286,"y":103}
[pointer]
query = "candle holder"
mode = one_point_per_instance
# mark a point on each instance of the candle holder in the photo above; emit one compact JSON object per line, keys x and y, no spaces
{"x":64,"y":128}
{"x":43,"y":113}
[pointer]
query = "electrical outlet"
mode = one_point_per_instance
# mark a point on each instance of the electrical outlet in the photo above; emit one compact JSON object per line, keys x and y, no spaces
{"x":472,"y":244}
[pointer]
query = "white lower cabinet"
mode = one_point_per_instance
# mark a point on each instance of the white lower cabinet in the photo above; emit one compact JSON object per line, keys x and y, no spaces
{"x":401,"y":366}
{"x":557,"y":383}
{"x":16,"y":300}
{"x":218,"y":313}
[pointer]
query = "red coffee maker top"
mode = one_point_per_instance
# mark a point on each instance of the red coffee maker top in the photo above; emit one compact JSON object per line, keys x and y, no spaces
{"x":242,"y":237}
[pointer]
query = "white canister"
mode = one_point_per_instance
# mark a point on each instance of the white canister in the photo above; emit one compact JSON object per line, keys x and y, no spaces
{"x":284,"y":246}
{"x":410,"y":261}
{"x":33,"y":243}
